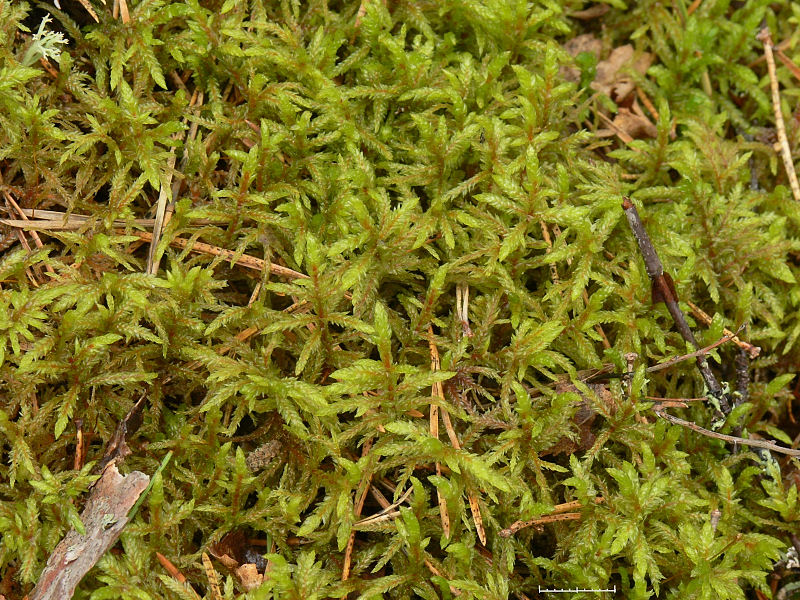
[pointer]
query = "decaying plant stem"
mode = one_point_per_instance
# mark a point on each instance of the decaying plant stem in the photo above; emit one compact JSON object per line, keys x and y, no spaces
{"x":361,"y":496}
{"x":699,"y":313}
{"x":659,"y":410}
{"x":559,"y":513}
{"x":664,"y":290}
{"x":786,"y":154}
{"x":437,"y":391}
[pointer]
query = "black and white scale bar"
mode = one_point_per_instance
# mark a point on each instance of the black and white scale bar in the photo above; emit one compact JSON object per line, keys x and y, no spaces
{"x":576,"y":590}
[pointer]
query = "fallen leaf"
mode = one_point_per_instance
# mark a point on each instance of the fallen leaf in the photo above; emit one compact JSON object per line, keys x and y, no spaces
{"x":634,"y":125}
{"x":249,"y":576}
{"x":612,"y":78}
{"x":581,"y":43}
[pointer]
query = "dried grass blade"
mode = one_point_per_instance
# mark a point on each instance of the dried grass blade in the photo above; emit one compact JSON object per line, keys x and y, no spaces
{"x":437,"y":391}
{"x":361,"y":496}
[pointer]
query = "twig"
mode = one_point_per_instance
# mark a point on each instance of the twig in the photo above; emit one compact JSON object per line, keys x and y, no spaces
{"x":389,"y":510}
{"x":161,"y":207}
{"x":245,"y":260}
{"x":742,"y":377}
{"x":361,"y":496}
{"x":788,"y":63}
{"x":627,"y":377}
{"x":699,"y":313}
{"x":721,"y":436}
{"x":681,"y":400}
{"x":701,"y":352}
{"x":103,"y":518}
{"x":547,"y":519}
{"x":123,"y":11}
{"x":117,"y":448}
{"x":765,"y":37}
{"x":647,"y":102}
{"x":462,"y":308}
{"x":548,"y":250}
{"x":89,"y":9}
{"x":374,"y":520}
{"x":173,"y":570}
{"x":451,"y":433}
{"x":165,"y":209}
{"x":559,"y":513}
{"x":36,"y":239}
{"x":621,"y":134}
{"x":74,"y":222}
{"x":453,"y":590}
{"x":78,"y":463}
{"x":778,"y":47}
{"x":196,"y":101}
{"x":664,"y":290}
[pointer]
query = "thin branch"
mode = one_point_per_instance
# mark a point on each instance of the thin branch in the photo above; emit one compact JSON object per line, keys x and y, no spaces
{"x":386,"y":513}
{"x":36,"y":239}
{"x":658,"y":409}
{"x":175,"y":572}
{"x":245,"y":260}
{"x":701,"y":352}
{"x":540,"y":521}
{"x":559,"y":513}
{"x":664,"y":290}
{"x":788,"y":63}
{"x":699,"y":313}
{"x":765,"y":37}
{"x":548,"y":250}
{"x":361,"y":496}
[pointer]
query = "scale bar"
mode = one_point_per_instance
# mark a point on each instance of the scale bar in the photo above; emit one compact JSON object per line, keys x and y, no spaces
{"x":575,"y":591}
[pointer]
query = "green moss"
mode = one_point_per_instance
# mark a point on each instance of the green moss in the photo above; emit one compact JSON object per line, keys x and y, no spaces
{"x":395,"y":153}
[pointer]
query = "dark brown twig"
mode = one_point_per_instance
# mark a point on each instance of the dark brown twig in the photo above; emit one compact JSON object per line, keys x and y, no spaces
{"x":664,"y":290}
{"x":742,"y":377}
{"x":117,"y":448}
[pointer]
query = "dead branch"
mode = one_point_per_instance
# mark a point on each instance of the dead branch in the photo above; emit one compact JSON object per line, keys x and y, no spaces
{"x":103,"y":518}
{"x":659,"y":410}
{"x":786,"y":154}
{"x":664,"y":290}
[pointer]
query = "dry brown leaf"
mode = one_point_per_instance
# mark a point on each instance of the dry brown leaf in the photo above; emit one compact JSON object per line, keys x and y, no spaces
{"x":230,"y":549}
{"x":612,"y":79}
{"x":584,"y":43}
{"x":636,"y":126}
{"x":249,"y":576}
{"x":581,"y":43}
